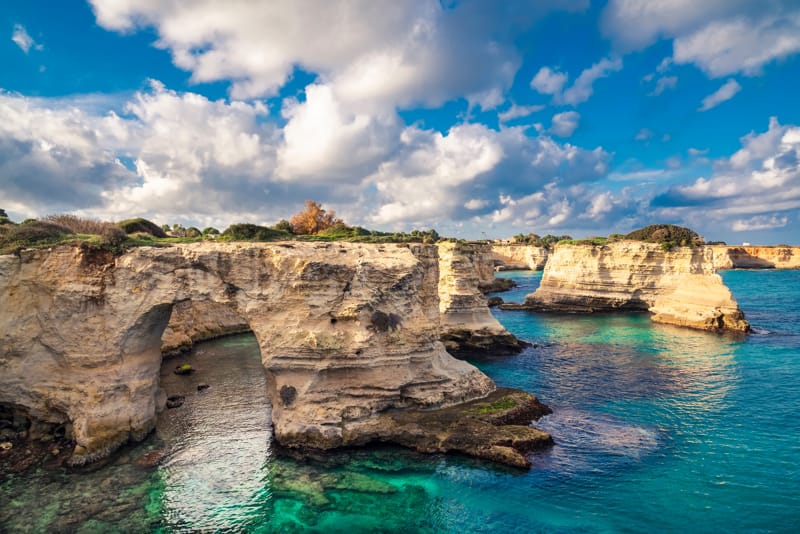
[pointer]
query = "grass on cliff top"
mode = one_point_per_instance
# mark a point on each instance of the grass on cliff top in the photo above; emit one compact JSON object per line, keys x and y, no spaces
{"x":138,"y":232}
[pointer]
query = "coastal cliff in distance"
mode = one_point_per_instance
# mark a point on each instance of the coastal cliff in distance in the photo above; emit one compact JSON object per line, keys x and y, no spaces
{"x":195,"y":321}
{"x":755,"y":257}
{"x":349,"y":338}
{"x":677,"y":287}
{"x":519,"y":257}
{"x":468,"y":326}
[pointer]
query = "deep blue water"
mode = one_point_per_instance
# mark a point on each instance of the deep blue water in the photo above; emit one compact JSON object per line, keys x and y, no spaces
{"x":657,"y":429}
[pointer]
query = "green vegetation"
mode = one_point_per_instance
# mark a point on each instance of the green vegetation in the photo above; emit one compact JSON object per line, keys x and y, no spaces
{"x":253,"y":232}
{"x":502,"y":404}
{"x":136,"y":232}
{"x":587,"y":241}
{"x":668,"y":235}
{"x":140,"y":225}
{"x":548,"y":241}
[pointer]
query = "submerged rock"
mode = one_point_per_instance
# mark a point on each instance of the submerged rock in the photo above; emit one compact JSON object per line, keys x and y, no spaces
{"x":184,"y":369}
{"x":175,"y":401}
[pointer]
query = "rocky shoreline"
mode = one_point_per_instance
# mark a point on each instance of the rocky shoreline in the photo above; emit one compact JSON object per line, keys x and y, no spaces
{"x":496,"y":428}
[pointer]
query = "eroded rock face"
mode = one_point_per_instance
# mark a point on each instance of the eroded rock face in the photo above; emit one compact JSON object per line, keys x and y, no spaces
{"x":345,"y":331}
{"x":733,"y":257}
{"x":195,"y":321}
{"x":519,"y":257}
{"x":468,"y":326}
{"x":678,"y":287}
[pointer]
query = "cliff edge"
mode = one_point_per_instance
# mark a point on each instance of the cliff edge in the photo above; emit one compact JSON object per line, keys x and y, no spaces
{"x":677,"y":287}
{"x":347,"y":332}
{"x":468,"y":326}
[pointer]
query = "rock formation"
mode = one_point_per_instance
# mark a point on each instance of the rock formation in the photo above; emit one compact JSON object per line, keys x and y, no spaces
{"x":747,"y":257}
{"x":346,"y":331}
{"x":195,"y":321}
{"x":468,"y":326}
{"x":678,"y":287}
{"x":519,"y":257}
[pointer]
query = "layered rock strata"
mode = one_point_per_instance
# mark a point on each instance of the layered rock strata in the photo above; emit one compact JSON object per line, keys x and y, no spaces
{"x":468,"y":326}
{"x":519,"y":257}
{"x":195,"y":321}
{"x":496,"y":427}
{"x":747,"y":257}
{"x":677,"y":287}
{"x":346,"y":331}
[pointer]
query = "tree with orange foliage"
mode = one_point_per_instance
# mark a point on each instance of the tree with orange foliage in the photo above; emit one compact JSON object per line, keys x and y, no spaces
{"x":313,"y":219}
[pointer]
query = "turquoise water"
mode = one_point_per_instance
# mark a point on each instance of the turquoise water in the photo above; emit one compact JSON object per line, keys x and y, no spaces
{"x":657,"y":429}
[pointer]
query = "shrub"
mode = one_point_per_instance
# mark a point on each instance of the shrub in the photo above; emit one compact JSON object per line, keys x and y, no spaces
{"x":113,"y":235}
{"x":253,"y":232}
{"x":669,"y":235}
{"x":192,"y":232}
{"x":132,"y":226}
{"x":78,"y":225}
{"x":33,"y":233}
{"x":210,"y":230}
{"x":284,"y":226}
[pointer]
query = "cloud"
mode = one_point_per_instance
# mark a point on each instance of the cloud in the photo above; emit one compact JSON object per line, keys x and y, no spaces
{"x":324,"y":140}
{"x":23,"y":40}
{"x":761,"y":177}
{"x":644,"y":134}
{"x":564,"y":124}
{"x":724,"y":93}
{"x":517,"y":112}
{"x":722,"y":37}
{"x":180,"y":157}
{"x":379,"y":53}
{"x":550,"y":82}
{"x":760,"y":222}
{"x":741,"y":44}
{"x":663,"y":84}
{"x":583,"y":89}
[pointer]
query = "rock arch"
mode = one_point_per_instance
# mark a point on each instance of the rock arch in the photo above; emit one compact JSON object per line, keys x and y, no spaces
{"x":80,"y":334}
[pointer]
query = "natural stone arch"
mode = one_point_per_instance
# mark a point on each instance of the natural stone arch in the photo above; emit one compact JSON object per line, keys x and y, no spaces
{"x":85,"y":340}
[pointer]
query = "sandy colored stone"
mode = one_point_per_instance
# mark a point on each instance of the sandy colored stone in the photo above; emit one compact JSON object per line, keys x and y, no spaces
{"x":519,"y":257}
{"x":468,"y":326}
{"x":346,"y":331}
{"x":735,"y":257}
{"x":195,"y":321}
{"x":678,"y":287}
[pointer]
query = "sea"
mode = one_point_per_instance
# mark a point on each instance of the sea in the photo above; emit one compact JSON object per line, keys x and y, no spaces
{"x":656,"y":429}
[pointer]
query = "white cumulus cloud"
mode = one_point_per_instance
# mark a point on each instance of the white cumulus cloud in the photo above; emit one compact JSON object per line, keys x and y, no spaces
{"x":564,"y":124}
{"x":550,"y":82}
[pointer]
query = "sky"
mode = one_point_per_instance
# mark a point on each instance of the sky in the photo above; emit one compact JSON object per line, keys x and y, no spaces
{"x":477,"y":118}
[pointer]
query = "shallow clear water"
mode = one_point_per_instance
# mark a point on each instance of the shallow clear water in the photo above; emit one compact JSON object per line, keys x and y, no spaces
{"x":657,"y":429}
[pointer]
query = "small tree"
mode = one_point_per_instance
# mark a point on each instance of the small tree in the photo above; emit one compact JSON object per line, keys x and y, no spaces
{"x":210,"y":231}
{"x":284,"y":226}
{"x":313,"y":219}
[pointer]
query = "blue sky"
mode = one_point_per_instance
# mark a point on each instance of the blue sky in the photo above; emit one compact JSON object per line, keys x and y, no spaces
{"x":473,"y":117}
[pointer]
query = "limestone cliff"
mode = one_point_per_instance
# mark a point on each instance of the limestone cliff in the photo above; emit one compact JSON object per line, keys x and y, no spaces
{"x":748,"y":257}
{"x":678,"y":287}
{"x":346,"y":331}
{"x":468,"y":326}
{"x":194,"y":321}
{"x":519,"y":257}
